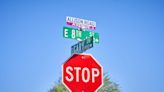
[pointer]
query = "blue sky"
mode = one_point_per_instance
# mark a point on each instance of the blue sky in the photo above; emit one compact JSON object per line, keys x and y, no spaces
{"x":32,"y":46}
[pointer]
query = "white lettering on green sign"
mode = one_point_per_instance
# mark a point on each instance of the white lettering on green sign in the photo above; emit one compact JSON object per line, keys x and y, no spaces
{"x":76,"y":34}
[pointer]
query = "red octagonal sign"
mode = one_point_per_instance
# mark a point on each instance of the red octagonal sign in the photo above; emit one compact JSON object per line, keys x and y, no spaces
{"x":82,"y":73}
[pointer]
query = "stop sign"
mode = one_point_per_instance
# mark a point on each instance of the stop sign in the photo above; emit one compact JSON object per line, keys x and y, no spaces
{"x":82,"y":73}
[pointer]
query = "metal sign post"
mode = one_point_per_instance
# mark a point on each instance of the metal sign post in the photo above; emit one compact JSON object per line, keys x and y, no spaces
{"x":81,"y":72}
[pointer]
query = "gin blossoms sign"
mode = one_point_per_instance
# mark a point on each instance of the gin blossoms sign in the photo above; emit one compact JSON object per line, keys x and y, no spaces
{"x":81,"y":23}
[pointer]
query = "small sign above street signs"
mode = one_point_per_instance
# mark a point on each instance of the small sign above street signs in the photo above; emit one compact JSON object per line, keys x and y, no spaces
{"x":82,"y":23}
{"x":82,"y":46}
{"x":76,"y":34}
{"x":82,"y":73}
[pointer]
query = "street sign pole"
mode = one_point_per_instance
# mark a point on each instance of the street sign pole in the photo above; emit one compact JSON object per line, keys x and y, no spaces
{"x":81,"y":72}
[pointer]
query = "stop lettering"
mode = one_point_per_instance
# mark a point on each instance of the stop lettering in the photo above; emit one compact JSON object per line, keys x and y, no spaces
{"x":82,"y":73}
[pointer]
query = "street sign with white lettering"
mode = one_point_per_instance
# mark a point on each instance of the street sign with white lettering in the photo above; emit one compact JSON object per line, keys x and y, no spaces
{"x":82,"y":46}
{"x":82,"y":23}
{"x":76,"y":34}
{"x":82,"y":73}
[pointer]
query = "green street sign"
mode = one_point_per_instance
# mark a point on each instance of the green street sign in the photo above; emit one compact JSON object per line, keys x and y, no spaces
{"x":82,"y":46}
{"x":76,"y":34}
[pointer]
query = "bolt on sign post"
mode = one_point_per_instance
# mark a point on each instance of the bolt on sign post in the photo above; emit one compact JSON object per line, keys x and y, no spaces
{"x":82,"y":73}
{"x":82,"y":46}
{"x":81,"y":23}
{"x":73,"y":33}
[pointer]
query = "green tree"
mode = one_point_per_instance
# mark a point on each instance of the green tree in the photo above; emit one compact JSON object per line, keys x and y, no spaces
{"x":108,"y":86}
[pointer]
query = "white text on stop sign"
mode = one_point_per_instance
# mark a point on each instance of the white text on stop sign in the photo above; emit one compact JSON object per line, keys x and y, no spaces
{"x":94,"y":73}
